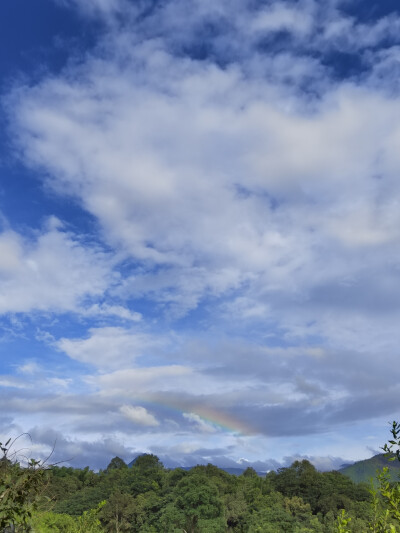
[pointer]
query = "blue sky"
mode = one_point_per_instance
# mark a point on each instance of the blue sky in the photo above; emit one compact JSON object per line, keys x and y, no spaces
{"x":199,"y":229}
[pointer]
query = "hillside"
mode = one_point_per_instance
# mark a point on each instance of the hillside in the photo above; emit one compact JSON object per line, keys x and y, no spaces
{"x":229,"y":470}
{"x":364,"y":471}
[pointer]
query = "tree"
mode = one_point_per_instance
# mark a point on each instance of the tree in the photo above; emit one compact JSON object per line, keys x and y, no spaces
{"x":385,"y":498}
{"x":20,"y":487}
{"x":118,"y":512}
{"x":89,"y":521}
{"x":197,"y":505}
{"x":147,"y":462}
{"x":49,"y":522}
{"x":392,"y":447}
{"x":116,"y":464}
{"x":235,"y":509}
{"x":387,"y":516}
{"x":272,"y":517}
{"x":147,"y":474}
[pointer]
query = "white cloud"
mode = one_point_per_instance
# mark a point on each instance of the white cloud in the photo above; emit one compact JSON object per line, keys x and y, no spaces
{"x":53,"y":271}
{"x":12,"y":382}
{"x":10,"y":252}
{"x":109,"y":346}
{"x":143,"y":382}
{"x":158,"y":195}
{"x":283,"y":16}
{"x":199,"y":423}
{"x":103,"y":8}
{"x":155,"y":149}
{"x":347,"y":34}
{"x":256,"y":189}
{"x":30,"y":368}
{"x":106,"y":310}
{"x":139,"y":415}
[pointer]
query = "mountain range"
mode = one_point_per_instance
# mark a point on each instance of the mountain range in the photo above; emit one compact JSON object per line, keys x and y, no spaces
{"x":364,"y":471}
{"x":360,"y":472}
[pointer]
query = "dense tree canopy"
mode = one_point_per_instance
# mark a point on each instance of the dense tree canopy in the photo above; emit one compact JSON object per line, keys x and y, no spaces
{"x":147,"y":498}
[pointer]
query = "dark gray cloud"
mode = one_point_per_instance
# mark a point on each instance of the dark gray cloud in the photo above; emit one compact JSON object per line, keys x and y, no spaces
{"x":79,"y":453}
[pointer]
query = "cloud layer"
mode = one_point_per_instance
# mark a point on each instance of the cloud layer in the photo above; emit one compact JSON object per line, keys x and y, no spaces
{"x":241,"y":163}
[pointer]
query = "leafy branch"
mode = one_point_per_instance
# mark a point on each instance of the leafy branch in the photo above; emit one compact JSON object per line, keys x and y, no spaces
{"x":392,"y":447}
{"x":20,"y":486}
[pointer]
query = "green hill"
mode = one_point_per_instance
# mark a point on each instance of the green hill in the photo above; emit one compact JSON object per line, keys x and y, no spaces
{"x":363,"y":471}
{"x":229,"y":470}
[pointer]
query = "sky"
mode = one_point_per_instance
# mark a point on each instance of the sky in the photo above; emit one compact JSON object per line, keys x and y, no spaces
{"x":200,"y":229}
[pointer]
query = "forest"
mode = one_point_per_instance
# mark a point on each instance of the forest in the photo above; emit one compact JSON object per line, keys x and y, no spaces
{"x":148,"y":498}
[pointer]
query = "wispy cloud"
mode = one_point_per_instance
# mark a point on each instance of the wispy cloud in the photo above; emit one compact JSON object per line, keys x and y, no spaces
{"x":241,"y":164}
{"x":109,"y":346}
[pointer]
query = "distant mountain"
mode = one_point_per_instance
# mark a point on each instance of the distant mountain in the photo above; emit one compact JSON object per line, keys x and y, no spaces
{"x":234,"y":471}
{"x":135,"y":459}
{"x":364,"y":471}
{"x":230,"y":470}
{"x":361,"y":471}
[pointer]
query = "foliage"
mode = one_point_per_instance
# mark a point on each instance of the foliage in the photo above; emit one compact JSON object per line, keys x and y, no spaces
{"x":380,"y":522}
{"x":116,"y":464}
{"x":20,"y":488}
{"x":147,"y":498}
{"x":392,"y":447}
{"x":385,"y":495}
{"x":343,"y":521}
{"x":49,"y":522}
{"x":364,"y":471}
{"x":89,"y":521}
{"x":390,"y":493}
{"x":118,"y":512}
{"x":386,"y":499}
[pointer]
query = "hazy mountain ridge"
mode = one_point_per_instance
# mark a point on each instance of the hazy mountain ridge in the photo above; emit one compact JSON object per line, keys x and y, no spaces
{"x":360,"y":472}
{"x":365,"y":470}
{"x":230,"y":470}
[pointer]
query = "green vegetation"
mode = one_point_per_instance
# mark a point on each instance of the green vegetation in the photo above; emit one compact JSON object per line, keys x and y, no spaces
{"x":364,"y":471}
{"x":147,"y":498}
{"x":20,"y":489}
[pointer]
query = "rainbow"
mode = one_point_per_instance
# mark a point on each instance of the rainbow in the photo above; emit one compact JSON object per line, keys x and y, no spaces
{"x":217,"y":417}
{"x":223,"y":420}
